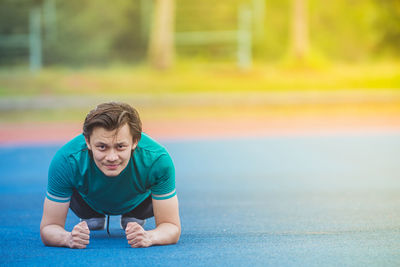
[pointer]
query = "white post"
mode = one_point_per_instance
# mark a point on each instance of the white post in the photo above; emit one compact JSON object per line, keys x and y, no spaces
{"x":244,"y":38}
{"x":35,"y":42}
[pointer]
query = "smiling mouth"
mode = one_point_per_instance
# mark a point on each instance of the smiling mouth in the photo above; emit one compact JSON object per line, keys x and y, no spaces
{"x":112,"y":167}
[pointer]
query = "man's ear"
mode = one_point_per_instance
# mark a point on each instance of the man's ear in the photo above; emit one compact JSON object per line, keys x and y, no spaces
{"x":134,"y":145}
{"x":88,"y":143}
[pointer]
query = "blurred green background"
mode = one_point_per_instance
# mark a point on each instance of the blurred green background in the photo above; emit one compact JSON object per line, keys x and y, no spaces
{"x":200,"y":59}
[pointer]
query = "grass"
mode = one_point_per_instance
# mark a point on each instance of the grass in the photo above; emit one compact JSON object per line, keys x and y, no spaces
{"x":134,"y":83}
{"x":189,"y":78}
{"x":230,"y":112}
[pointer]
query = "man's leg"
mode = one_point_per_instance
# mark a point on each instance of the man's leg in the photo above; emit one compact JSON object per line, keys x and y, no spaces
{"x":95,"y":220}
{"x":139,"y":214}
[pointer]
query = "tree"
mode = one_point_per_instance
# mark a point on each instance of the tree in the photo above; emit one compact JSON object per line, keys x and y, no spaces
{"x":300,"y":38}
{"x":161,"y":45}
{"x":389,"y":26}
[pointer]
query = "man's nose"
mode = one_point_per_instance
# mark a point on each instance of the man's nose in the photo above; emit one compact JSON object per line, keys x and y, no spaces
{"x":112,"y":156}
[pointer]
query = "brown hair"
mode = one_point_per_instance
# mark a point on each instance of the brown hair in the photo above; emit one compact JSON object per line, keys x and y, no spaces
{"x":112,"y":116}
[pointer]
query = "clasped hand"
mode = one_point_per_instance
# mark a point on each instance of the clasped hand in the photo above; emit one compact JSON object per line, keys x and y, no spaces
{"x":137,"y":237}
{"x":79,"y":236}
{"x":135,"y":234}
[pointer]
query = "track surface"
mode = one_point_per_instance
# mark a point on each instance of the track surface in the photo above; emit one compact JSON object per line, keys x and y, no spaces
{"x":310,"y":200}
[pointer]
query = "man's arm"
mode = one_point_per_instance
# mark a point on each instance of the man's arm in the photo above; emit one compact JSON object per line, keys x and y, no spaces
{"x":168,"y":226}
{"x":52,"y":226}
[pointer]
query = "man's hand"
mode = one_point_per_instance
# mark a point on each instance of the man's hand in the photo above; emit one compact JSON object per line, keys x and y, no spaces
{"x":137,"y":237}
{"x":79,"y":237}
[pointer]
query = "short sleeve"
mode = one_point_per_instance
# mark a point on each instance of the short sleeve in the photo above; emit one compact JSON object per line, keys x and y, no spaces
{"x":59,"y":187}
{"x":162,"y":174}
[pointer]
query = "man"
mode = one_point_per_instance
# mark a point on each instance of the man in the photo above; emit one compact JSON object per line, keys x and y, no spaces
{"x":111,"y":169}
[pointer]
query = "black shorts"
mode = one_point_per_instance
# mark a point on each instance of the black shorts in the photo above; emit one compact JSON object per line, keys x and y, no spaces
{"x":84,"y":211}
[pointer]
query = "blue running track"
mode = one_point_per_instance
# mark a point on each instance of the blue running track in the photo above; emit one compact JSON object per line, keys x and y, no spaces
{"x":273,"y":201}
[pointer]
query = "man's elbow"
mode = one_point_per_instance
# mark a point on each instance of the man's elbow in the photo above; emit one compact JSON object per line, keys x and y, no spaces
{"x":44,"y":235}
{"x":52,"y":235}
{"x":177,"y":235}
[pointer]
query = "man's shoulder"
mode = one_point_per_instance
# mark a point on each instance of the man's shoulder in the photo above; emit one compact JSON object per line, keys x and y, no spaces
{"x":154,"y":159}
{"x":148,"y":144}
{"x":150,"y":151}
{"x":77,"y":144}
{"x":73,"y":148}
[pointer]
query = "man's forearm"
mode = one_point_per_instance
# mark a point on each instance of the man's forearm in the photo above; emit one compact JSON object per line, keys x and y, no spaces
{"x":54,"y":235}
{"x":165,"y":234}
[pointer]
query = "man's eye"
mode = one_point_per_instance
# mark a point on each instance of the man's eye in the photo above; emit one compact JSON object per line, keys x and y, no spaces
{"x":101,"y":147}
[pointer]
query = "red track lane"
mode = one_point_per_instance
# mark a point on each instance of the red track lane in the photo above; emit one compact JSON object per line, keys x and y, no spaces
{"x":32,"y":133}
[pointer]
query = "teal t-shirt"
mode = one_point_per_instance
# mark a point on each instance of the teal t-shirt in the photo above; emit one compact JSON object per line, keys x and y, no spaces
{"x":149,"y":171}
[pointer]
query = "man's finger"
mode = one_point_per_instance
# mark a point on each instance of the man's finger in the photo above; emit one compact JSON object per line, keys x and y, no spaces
{"x":134,"y":232}
{"x":84,"y":224}
{"x":79,"y":235}
{"x":135,"y":240}
{"x":132,"y":225}
{"x":84,"y":236}
{"x":137,"y":245}
{"x":79,"y":246}
{"x":131,"y":236}
{"x":83,"y":242}
{"x":85,"y":231}
{"x":83,"y":228}
{"x":79,"y":241}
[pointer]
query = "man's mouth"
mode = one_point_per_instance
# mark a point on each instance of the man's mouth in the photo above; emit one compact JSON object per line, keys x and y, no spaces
{"x":112,"y":166}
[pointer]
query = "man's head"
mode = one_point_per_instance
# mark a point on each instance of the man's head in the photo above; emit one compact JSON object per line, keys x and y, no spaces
{"x":112,"y":131}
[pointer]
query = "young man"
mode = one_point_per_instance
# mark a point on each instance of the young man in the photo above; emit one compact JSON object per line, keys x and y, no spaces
{"x":111,"y":169}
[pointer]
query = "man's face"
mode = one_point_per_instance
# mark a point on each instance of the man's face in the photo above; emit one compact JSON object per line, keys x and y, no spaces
{"x":111,"y":149}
